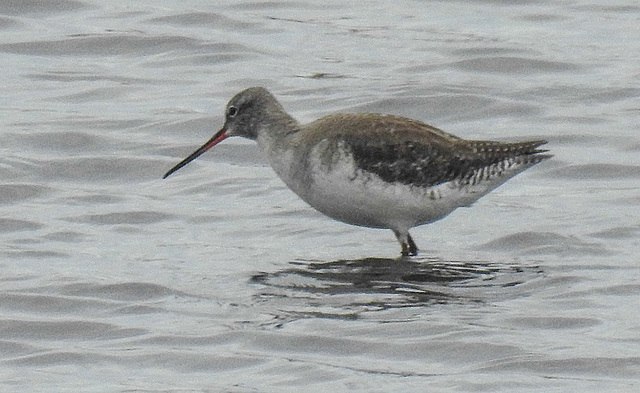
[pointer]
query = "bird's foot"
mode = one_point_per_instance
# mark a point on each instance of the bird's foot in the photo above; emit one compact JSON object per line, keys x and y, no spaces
{"x":409,"y":248}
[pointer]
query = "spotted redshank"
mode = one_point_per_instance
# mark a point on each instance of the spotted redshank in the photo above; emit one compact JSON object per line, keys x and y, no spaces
{"x":372,"y":170}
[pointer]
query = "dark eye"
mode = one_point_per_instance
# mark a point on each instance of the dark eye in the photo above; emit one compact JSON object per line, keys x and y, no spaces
{"x":232,"y":111}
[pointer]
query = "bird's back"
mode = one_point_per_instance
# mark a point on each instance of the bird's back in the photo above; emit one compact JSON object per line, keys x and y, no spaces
{"x":401,"y":150}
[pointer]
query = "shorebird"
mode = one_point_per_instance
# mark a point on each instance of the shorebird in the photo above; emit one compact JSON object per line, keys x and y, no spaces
{"x":373,"y":170}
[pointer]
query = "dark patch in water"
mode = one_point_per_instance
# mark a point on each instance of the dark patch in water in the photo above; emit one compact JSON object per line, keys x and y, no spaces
{"x":349,"y":288}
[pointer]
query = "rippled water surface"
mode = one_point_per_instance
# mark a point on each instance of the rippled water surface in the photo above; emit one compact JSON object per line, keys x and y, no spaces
{"x":220,"y":279}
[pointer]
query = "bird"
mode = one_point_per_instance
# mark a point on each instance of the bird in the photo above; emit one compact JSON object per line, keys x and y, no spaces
{"x":372,"y":170}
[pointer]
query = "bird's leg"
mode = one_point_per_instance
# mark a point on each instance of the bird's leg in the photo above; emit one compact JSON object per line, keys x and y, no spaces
{"x":409,"y":247}
{"x":413,"y":249}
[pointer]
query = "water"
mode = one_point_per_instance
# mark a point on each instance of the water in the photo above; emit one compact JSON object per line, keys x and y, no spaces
{"x":220,"y":279}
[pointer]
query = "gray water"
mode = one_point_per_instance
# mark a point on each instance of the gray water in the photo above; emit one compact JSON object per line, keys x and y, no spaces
{"x":220,"y":279}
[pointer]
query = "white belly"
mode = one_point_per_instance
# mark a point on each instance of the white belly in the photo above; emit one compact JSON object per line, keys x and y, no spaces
{"x":333,"y":185}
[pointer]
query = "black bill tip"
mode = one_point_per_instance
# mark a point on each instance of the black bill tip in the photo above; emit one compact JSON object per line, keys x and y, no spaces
{"x":217,"y":138}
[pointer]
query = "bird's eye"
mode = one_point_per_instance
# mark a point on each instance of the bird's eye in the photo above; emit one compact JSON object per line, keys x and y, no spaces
{"x":232,"y":111}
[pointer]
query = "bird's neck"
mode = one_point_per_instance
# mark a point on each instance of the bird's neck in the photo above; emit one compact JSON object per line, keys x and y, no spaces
{"x":276,"y":129}
{"x":277,"y":138}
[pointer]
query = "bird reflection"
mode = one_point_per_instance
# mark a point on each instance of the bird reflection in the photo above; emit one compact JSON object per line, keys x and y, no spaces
{"x":346,"y":288}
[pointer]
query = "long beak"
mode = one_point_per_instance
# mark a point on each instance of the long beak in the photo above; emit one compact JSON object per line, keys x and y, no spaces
{"x":217,"y":138}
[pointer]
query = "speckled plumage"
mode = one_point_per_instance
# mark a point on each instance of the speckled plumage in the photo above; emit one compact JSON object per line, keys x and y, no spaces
{"x":373,"y":170}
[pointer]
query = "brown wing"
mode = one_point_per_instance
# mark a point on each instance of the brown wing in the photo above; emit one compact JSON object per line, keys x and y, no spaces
{"x":406,"y":151}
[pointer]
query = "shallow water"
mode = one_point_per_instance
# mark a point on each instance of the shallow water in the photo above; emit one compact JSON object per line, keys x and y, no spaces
{"x":220,"y":279}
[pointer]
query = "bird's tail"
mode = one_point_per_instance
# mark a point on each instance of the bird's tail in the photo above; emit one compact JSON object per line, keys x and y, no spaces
{"x":528,"y":151}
